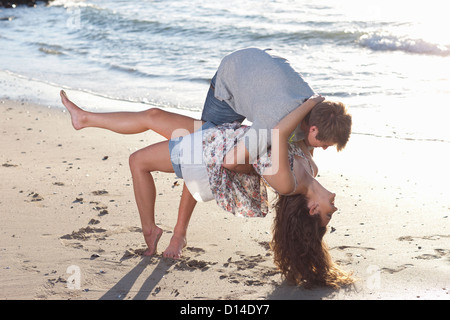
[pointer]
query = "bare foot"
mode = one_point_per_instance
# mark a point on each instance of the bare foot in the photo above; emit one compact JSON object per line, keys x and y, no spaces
{"x":176,"y":245}
{"x":78,"y":115}
{"x":152,"y":241}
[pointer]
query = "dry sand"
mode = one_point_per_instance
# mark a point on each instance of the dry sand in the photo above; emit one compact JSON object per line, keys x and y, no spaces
{"x":70,"y":227}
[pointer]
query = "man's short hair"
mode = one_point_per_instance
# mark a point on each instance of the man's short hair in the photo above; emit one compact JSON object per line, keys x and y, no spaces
{"x":333,"y":122}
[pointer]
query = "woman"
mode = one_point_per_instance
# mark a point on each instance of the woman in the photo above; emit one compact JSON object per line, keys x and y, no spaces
{"x":302,"y":212}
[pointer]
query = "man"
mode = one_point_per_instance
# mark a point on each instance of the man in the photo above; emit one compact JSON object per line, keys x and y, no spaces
{"x":264,"y":88}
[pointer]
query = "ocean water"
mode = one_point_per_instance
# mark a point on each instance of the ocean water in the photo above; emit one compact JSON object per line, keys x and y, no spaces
{"x":388,"y":61}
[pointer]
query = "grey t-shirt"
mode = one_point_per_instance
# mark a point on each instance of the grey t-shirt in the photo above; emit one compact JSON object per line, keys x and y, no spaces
{"x":262,"y":87}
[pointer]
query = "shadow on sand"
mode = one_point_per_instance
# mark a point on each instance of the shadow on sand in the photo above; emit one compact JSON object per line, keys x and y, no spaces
{"x":284,"y":291}
{"x":122,"y":288}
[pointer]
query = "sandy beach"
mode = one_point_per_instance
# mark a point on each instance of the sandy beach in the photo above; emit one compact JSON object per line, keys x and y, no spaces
{"x":70,"y":227}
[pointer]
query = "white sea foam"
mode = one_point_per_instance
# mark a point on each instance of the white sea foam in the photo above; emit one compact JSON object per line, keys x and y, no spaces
{"x":71,"y":4}
{"x":389,"y":42}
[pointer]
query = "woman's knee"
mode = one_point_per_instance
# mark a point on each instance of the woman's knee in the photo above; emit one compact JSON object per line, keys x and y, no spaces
{"x":135,"y":161}
{"x":155,"y":157}
{"x":154,"y":114}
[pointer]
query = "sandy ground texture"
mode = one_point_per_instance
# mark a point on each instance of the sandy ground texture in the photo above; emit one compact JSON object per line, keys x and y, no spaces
{"x":70,"y":227}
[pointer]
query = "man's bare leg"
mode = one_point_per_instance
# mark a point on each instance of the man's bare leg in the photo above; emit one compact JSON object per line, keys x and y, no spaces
{"x":179,"y":237}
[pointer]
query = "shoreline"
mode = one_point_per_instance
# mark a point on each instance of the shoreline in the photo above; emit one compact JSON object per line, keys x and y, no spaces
{"x":68,"y":206}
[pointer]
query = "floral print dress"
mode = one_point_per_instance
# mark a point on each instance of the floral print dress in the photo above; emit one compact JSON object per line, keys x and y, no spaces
{"x":240,"y":194}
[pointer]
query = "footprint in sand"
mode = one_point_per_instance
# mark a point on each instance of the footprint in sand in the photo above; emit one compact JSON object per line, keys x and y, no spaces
{"x":99,"y":192}
{"x":398,"y":269}
{"x":235,"y":270}
{"x":439,"y":253}
{"x":35,"y":197}
{"x":83,"y":233}
{"x":432,"y":237}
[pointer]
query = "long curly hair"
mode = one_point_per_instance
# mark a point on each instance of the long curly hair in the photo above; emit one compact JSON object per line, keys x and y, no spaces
{"x":299,"y":250}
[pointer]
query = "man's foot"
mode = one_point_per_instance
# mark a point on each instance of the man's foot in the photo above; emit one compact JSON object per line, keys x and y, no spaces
{"x":176,"y":245}
{"x":152,"y":241}
{"x":78,"y":115}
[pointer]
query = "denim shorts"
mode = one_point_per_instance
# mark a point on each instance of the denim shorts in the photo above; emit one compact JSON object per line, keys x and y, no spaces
{"x":175,"y":149}
{"x":216,"y":111}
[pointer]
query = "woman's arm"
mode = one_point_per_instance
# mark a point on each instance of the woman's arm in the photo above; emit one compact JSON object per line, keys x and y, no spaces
{"x":282,"y":179}
{"x":288,"y":124}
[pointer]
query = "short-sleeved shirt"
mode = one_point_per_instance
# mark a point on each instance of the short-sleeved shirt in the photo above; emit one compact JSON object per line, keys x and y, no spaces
{"x":262,"y":87}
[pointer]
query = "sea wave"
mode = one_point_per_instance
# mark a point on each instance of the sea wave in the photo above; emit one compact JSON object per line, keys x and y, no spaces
{"x":99,"y":22}
{"x":388,"y":42}
{"x":71,"y":4}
